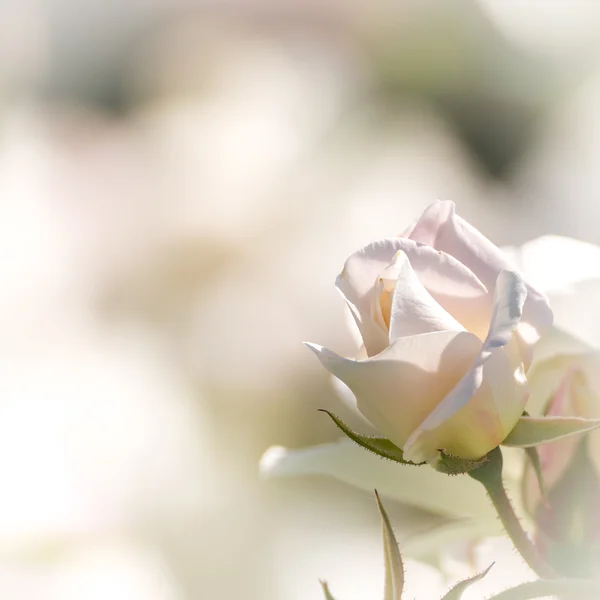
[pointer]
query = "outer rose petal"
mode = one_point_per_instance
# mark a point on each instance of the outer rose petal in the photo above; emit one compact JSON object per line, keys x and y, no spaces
{"x":554,"y":355}
{"x":487,"y":402}
{"x":448,"y":281}
{"x":556,"y":343}
{"x":588,"y":401}
{"x":399,"y":387}
{"x":442,"y":228}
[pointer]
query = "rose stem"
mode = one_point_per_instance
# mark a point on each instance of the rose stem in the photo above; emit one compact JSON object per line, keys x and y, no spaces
{"x":490,"y":475}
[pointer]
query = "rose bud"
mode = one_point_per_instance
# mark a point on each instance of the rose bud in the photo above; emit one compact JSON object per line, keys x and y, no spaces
{"x":447,"y":324}
{"x":565,"y":381}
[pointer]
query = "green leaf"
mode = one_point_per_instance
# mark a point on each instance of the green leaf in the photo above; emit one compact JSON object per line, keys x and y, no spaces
{"x":394,"y":568}
{"x":326,"y":591}
{"x":378,"y":445}
{"x":531,"y":431}
{"x":565,"y":589}
{"x":424,"y":488}
{"x":457,"y":591}
{"x":453,"y":465}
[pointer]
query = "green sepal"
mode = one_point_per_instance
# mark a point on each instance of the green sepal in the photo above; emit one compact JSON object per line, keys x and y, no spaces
{"x":453,"y":465}
{"x":394,"y":567}
{"x":326,"y":591}
{"x":532,"y":431}
{"x":377,"y":445}
{"x":457,"y":591}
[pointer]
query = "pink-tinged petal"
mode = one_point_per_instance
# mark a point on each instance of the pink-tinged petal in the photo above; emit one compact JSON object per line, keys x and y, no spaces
{"x":413,"y":310}
{"x":587,"y":397}
{"x":487,"y":402}
{"x":556,"y":354}
{"x":567,"y":386}
{"x":448,"y":281}
{"x":399,"y":387}
{"x":406,"y":233}
{"x":566,"y":400}
{"x":442,"y":228}
{"x":430,"y":228}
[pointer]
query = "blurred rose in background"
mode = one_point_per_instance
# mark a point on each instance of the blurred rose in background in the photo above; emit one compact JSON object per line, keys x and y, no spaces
{"x":180,"y":182}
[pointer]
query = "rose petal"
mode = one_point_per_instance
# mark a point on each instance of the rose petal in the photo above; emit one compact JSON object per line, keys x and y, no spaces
{"x":375,"y":338}
{"x":449,"y":282}
{"x":399,"y":387}
{"x":557,"y":343}
{"x":562,"y":386}
{"x":413,"y":310}
{"x":344,"y":393}
{"x":442,"y":228}
{"x":487,"y":402}
{"x":509,"y":301}
{"x":544,"y":380}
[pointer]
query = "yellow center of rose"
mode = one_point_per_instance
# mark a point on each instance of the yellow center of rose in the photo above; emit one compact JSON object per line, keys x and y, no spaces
{"x":383,"y":307}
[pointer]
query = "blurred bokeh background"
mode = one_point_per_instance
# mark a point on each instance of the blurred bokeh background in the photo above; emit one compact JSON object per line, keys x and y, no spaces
{"x":180,"y":182}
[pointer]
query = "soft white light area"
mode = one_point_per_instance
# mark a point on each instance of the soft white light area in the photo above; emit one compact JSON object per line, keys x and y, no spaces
{"x":368,"y":182}
{"x":555,"y":263}
{"x":101,"y":432}
{"x":102,"y":569}
{"x":98,"y":428}
{"x":555,"y":26}
{"x":558,"y":178}
{"x":79,"y":209}
{"x":226,"y":153}
{"x":508,"y":571}
{"x":351,"y":561}
{"x":23,"y":42}
{"x":178,"y":191}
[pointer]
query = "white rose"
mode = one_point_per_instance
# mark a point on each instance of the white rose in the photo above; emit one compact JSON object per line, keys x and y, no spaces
{"x":447,"y":324}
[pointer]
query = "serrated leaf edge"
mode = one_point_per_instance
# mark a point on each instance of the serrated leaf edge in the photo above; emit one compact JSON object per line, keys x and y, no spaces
{"x":394,"y":567}
{"x":457,"y":590}
{"x":368,"y":442}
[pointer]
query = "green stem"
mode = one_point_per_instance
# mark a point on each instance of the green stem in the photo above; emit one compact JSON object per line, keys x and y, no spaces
{"x":490,"y":475}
